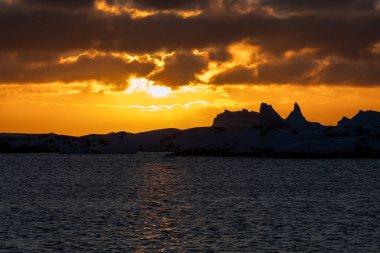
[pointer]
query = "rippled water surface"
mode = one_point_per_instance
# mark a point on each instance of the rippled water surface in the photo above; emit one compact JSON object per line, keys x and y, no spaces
{"x":149,"y":203}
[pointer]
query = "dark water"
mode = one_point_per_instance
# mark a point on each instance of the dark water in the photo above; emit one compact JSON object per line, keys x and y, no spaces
{"x":148,"y":203}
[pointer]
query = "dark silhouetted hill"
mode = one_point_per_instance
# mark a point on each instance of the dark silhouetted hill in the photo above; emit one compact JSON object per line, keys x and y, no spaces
{"x":263,"y":133}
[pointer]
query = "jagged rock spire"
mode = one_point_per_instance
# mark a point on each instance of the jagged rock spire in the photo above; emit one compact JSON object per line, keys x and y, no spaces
{"x":296,"y":114}
{"x":297,"y":120}
{"x":269,"y":117}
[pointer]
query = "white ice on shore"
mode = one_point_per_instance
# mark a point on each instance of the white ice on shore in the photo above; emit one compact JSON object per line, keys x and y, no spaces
{"x":241,"y":132}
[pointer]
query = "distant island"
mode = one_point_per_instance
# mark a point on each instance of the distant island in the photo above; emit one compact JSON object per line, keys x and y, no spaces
{"x":242,"y":133}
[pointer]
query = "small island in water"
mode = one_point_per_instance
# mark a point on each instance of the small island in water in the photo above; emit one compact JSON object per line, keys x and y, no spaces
{"x":242,"y":133}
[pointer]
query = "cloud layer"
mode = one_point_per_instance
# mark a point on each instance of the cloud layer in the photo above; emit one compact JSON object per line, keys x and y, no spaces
{"x":333,"y":42}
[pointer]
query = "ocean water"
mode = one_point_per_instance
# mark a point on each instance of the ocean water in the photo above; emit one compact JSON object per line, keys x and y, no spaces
{"x":151,"y":203}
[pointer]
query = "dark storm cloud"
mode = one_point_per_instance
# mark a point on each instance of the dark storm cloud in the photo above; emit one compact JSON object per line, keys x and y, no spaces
{"x":294,"y":70}
{"x":73,"y":4}
{"x":51,"y":31}
{"x":29,"y":6}
{"x":170,"y":4}
{"x":346,"y":36}
{"x":115,"y":71}
{"x":305,"y":70}
{"x":231,"y":5}
{"x":315,"y":5}
{"x":344,"y":29}
{"x":218,"y":54}
{"x":364,"y":73}
{"x":86,"y":4}
{"x":180,"y":69}
{"x":236,"y":75}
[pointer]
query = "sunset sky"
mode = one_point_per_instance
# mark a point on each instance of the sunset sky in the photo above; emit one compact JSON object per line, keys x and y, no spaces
{"x":97,"y":66}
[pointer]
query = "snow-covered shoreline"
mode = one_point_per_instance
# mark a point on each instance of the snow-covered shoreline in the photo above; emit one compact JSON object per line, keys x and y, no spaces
{"x":262,"y":133}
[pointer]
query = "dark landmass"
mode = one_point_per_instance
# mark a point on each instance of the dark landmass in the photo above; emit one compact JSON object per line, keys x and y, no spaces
{"x":242,"y":133}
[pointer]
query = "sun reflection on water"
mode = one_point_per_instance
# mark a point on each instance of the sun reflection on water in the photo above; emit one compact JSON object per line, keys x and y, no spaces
{"x":163,"y":214}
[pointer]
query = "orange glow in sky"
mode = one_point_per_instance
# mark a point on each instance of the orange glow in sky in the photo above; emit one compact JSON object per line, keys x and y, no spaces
{"x":83,"y":108}
{"x":143,"y":84}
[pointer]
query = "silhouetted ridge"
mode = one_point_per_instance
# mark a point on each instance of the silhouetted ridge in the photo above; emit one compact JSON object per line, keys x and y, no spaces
{"x":362,"y":119}
{"x":239,"y":119}
{"x":267,"y":117}
{"x":263,"y":133}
